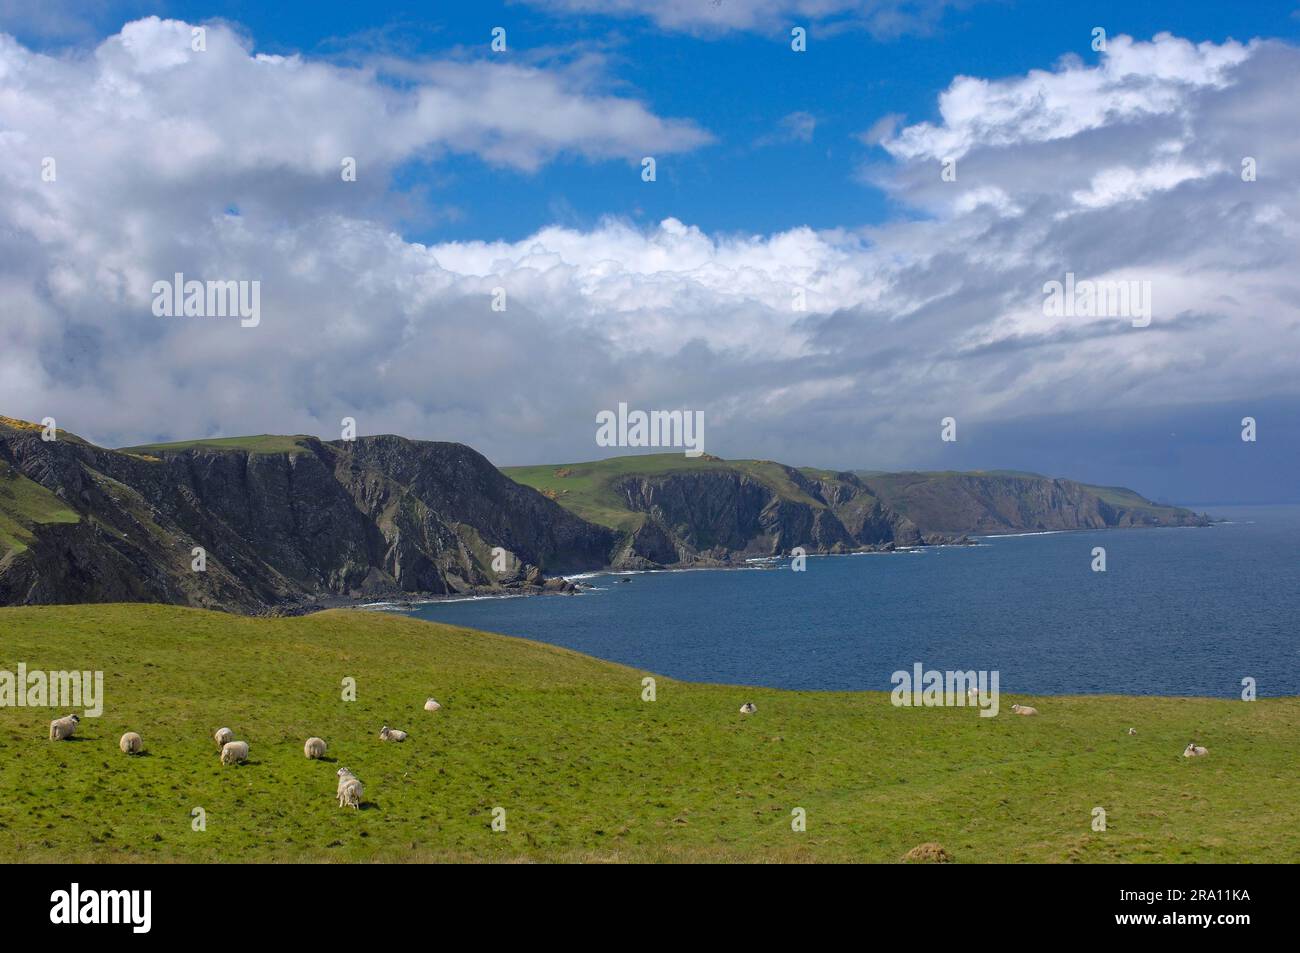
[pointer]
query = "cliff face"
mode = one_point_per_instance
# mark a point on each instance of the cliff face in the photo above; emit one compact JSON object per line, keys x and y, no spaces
{"x":378,"y":516}
{"x":990,"y":503}
{"x":305,"y":521}
{"x":718,"y":515}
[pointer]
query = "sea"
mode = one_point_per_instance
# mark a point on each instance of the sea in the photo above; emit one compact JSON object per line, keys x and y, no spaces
{"x":1177,"y":611}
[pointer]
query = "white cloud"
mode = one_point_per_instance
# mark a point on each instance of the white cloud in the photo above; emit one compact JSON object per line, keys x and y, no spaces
{"x":170,"y":111}
{"x":1129,"y":169}
{"x":1134,"y":82}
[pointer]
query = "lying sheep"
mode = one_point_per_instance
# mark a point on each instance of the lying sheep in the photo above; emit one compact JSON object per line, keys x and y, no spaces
{"x":1193,"y":750}
{"x":314,"y":748}
{"x":131,"y":743}
{"x":431,"y":705}
{"x":1024,"y":710}
{"x":350,"y":789}
{"x":223,"y":736}
{"x":748,"y":708}
{"x":233,"y":752}
{"x":391,"y":734}
{"x":61,"y":728}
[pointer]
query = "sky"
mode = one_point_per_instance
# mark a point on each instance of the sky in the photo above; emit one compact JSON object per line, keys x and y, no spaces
{"x":842,"y":246}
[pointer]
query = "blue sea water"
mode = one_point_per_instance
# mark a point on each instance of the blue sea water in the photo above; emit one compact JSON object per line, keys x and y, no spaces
{"x":1177,"y":612}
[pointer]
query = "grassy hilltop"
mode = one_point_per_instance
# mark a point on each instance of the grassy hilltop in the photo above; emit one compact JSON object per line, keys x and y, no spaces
{"x":587,"y":489}
{"x":584,"y":768}
{"x":949,"y":501}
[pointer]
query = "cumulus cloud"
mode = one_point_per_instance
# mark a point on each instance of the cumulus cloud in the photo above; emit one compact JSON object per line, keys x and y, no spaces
{"x":174,"y":112}
{"x":1135,"y":82}
{"x":226,"y":168}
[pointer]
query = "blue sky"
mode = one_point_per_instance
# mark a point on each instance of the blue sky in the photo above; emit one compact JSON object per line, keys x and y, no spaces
{"x":738,"y":85}
{"x":519,"y":170}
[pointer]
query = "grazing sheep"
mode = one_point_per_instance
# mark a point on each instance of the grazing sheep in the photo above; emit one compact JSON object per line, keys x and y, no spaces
{"x":1024,"y":710}
{"x":391,"y":734}
{"x":233,"y":752}
{"x":314,"y":748}
{"x":223,"y":736}
{"x":748,"y":708}
{"x":131,"y":743}
{"x":1193,"y":750}
{"x":61,"y":728}
{"x":350,"y":789}
{"x":431,"y":705}
{"x":1132,"y":731}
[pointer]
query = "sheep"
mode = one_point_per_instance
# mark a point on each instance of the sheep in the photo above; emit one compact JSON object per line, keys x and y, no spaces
{"x":1193,"y":750}
{"x":748,"y":708}
{"x":1024,"y":710}
{"x":350,"y":789}
{"x":61,"y":728}
{"x":391,"y":734}
{"x":233,"y":752}
{"x":223,"y":736}
{"x":131,"y":743}
{"x":314,"y":748}
{"x":431,"y":705}
{"x":1132,"y":731}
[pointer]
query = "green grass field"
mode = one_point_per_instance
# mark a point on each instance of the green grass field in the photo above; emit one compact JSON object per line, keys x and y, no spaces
{"x":586,"y":488}
{"x":261,"y":443}
{"x":585,"y":769}
{"x":24,"y":503}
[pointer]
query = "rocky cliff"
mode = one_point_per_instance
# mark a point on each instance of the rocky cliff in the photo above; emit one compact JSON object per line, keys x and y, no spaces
{"x":719,"y":515}
{"x":285,"y":523}
{"x":380,"y":516}
{"x":717,"y":512}
{"x":991,"y":503}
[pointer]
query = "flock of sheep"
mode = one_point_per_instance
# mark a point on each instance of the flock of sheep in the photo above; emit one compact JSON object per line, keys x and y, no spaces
{"x":350,"y":790}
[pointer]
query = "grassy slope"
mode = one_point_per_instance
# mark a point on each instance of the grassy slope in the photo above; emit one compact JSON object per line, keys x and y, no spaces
{"x":585,"y":769}
{"x":23,"y":503}
{"x":261,"y":443}
{"x":584,"y":488}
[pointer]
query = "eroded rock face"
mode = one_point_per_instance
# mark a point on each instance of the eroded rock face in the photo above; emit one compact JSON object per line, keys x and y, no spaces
{"x":721,"y":515}
{"x":375,"y":517}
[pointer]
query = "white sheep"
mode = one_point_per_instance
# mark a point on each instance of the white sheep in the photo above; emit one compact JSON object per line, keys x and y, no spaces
{"x":131,"y":743}
{"x":391,"y":734}
{"x":350,"y":789}
{"x":1132,"y":731}
{"x":223,"y":736}
{"x":748,"y":708}
{"x":314,"y":748}
{"x":233,"y":752}
{"x":1024,"y":710}
{"x":431,"y":705}
{"x":61,"y":728}
{"x":1193,"y":750}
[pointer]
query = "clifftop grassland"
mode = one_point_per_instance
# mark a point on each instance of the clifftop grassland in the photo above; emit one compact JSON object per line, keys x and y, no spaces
{"x":585,"y":769}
